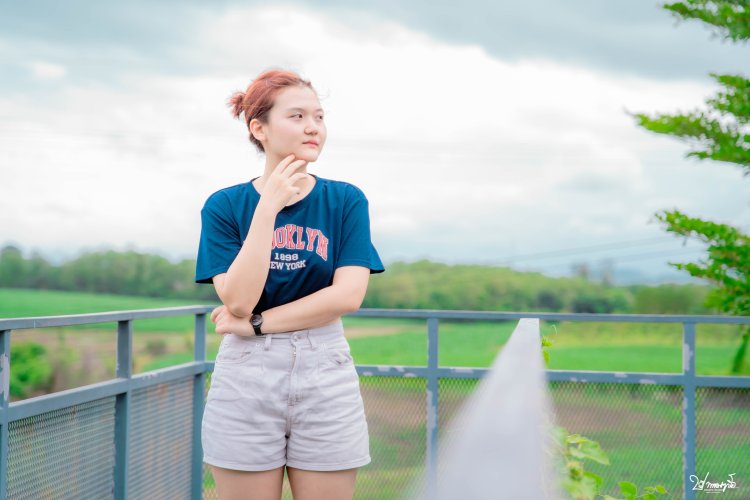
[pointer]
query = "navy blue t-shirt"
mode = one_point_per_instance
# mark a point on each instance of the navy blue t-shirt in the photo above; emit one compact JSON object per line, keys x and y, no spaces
{"x":327,"y":229}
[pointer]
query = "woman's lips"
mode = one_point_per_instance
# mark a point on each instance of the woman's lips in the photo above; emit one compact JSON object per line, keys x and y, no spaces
{"x":310,"y":144}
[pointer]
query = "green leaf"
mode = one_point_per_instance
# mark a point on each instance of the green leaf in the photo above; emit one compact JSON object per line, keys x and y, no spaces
{"x":596,"y":478}
{"x":559,"y":434}
{"x":577,"y":453}
{"x":628,"y":489}
{"x":580,"y":490}
{"x":661,"y":489}
{"x":593,"y":451}
{"x":649,"y":496}
{"x":585,"y":488}
{"x":575,"y":439}
{"x":575,"y":470}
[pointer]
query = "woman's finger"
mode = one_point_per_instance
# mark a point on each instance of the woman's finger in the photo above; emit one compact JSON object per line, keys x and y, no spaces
{"x":215,"y":312}
{"x":283,"y":163}
{"x":287,"y":172}
{"x":221,"y":325}
{"x":218,"y":310}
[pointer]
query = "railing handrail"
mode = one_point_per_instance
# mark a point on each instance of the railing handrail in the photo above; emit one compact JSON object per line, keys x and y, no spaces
{"x":129,"y":315}
{"x":504,"y":427}
{"x":100,"y":317}
{"x":512,"y":315}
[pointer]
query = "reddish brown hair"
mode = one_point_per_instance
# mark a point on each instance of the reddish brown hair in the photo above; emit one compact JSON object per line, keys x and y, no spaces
{"x":258,"y":99}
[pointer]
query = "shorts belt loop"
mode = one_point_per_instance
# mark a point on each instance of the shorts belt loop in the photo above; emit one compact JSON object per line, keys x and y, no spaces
{"x":267,"y":344}
{"x":311,"y":337}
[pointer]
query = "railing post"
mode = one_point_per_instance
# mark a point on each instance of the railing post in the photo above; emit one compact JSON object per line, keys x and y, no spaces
{"x":5,"y":374}
{"x":122,"y":408}
{"x":432,"y":406}
{"x":688,"y":408}
{"x":199,"y":387}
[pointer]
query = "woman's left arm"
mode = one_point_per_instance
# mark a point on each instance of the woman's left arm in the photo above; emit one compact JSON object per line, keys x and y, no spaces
{"x":317,"y":309}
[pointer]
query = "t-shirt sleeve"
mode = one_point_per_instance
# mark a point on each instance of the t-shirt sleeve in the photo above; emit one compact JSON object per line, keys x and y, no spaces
{"x":220,"y":239}
{"x":356,"y":248}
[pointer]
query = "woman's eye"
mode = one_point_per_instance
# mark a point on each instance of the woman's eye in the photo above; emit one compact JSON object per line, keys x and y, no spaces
{"x":300,"y":115}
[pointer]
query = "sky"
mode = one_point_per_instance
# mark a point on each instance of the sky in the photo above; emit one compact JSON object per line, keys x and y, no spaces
{"x":494,"y":133}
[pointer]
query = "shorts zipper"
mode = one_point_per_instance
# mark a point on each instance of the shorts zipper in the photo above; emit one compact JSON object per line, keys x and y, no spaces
{"x":290,"y":401}
{"x":291,"y":376}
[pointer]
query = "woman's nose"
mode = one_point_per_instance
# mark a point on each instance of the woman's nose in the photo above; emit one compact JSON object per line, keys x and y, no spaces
{"x":312,"y":127}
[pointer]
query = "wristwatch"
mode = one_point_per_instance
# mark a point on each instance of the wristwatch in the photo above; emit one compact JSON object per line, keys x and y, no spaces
{"x":256,"y":320}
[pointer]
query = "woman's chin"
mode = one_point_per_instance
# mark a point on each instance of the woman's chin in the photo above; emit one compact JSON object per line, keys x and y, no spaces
{"x":308,"y":156}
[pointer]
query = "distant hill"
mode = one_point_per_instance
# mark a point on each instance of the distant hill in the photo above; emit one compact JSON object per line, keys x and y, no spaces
{"x":420,"y":284}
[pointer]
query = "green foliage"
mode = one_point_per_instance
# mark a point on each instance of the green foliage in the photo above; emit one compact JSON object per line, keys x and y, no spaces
{"x":671,"y":299}
{"x":590,"y":303}
{"x":721,"y":132}
{"x":729,"y":18}
{"x":717,"y":133}
{"x":430,"y":285}
{"x":31,"y":368}
{"x":583,"y":485}
{"x":546,"y":342}
{"x":419,"y":285}
{"x":126,"y":273}
{"x":728,"y":262}
{"x":727,"y":266}
{"x":13,"y":267}
{"x":574,"y":449}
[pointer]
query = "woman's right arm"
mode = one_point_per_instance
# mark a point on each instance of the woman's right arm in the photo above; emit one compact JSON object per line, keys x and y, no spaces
{"x":241,"y":286}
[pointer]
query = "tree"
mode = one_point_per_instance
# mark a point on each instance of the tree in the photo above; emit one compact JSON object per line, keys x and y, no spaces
{"x":721,"y":133}
{"x":12,"y":267}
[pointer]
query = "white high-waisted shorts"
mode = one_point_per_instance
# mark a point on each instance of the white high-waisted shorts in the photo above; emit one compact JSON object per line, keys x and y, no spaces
{"x":286,"y":398}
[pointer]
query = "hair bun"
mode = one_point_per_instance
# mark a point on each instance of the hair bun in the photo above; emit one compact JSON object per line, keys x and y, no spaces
{"x":235,"y":102}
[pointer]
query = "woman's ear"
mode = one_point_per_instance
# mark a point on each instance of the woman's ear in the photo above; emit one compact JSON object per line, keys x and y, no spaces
{"x":257,"y":129}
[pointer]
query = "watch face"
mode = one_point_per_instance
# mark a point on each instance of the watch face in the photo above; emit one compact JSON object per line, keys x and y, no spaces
{"x":256,"y":320}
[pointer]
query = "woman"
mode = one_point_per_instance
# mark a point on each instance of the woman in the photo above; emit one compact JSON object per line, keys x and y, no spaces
{"x":288,"y":252}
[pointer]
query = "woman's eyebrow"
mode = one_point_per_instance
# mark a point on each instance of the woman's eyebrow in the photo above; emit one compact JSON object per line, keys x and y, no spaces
{"x":301,"y":109}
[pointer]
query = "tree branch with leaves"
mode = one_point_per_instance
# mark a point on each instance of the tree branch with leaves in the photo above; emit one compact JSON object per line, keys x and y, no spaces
{"x":720,"y":132}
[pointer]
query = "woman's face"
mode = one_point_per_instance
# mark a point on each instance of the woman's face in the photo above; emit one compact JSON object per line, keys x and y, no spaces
{"x":295,"y":118}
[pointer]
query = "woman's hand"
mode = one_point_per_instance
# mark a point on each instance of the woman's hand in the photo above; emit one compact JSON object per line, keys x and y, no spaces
{"x":226,"y":322}
{"x":279,"y":187}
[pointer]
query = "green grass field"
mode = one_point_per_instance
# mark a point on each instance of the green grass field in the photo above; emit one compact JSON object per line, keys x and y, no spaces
{"x":18,"y":303}
{"x":392,"y":341}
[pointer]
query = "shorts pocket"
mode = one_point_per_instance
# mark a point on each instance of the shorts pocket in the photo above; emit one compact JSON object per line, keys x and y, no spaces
{"x":234,"y":350}
{"x":338,"y":354}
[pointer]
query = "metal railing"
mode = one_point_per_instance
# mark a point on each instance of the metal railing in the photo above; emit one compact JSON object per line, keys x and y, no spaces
{"x":123,"y":432}
{"x":23,"y":468}
{"x":505,"y":425}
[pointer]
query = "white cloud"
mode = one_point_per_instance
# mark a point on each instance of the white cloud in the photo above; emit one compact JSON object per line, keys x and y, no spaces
{"x":43,"y":70}
{"x":444,"y":139}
